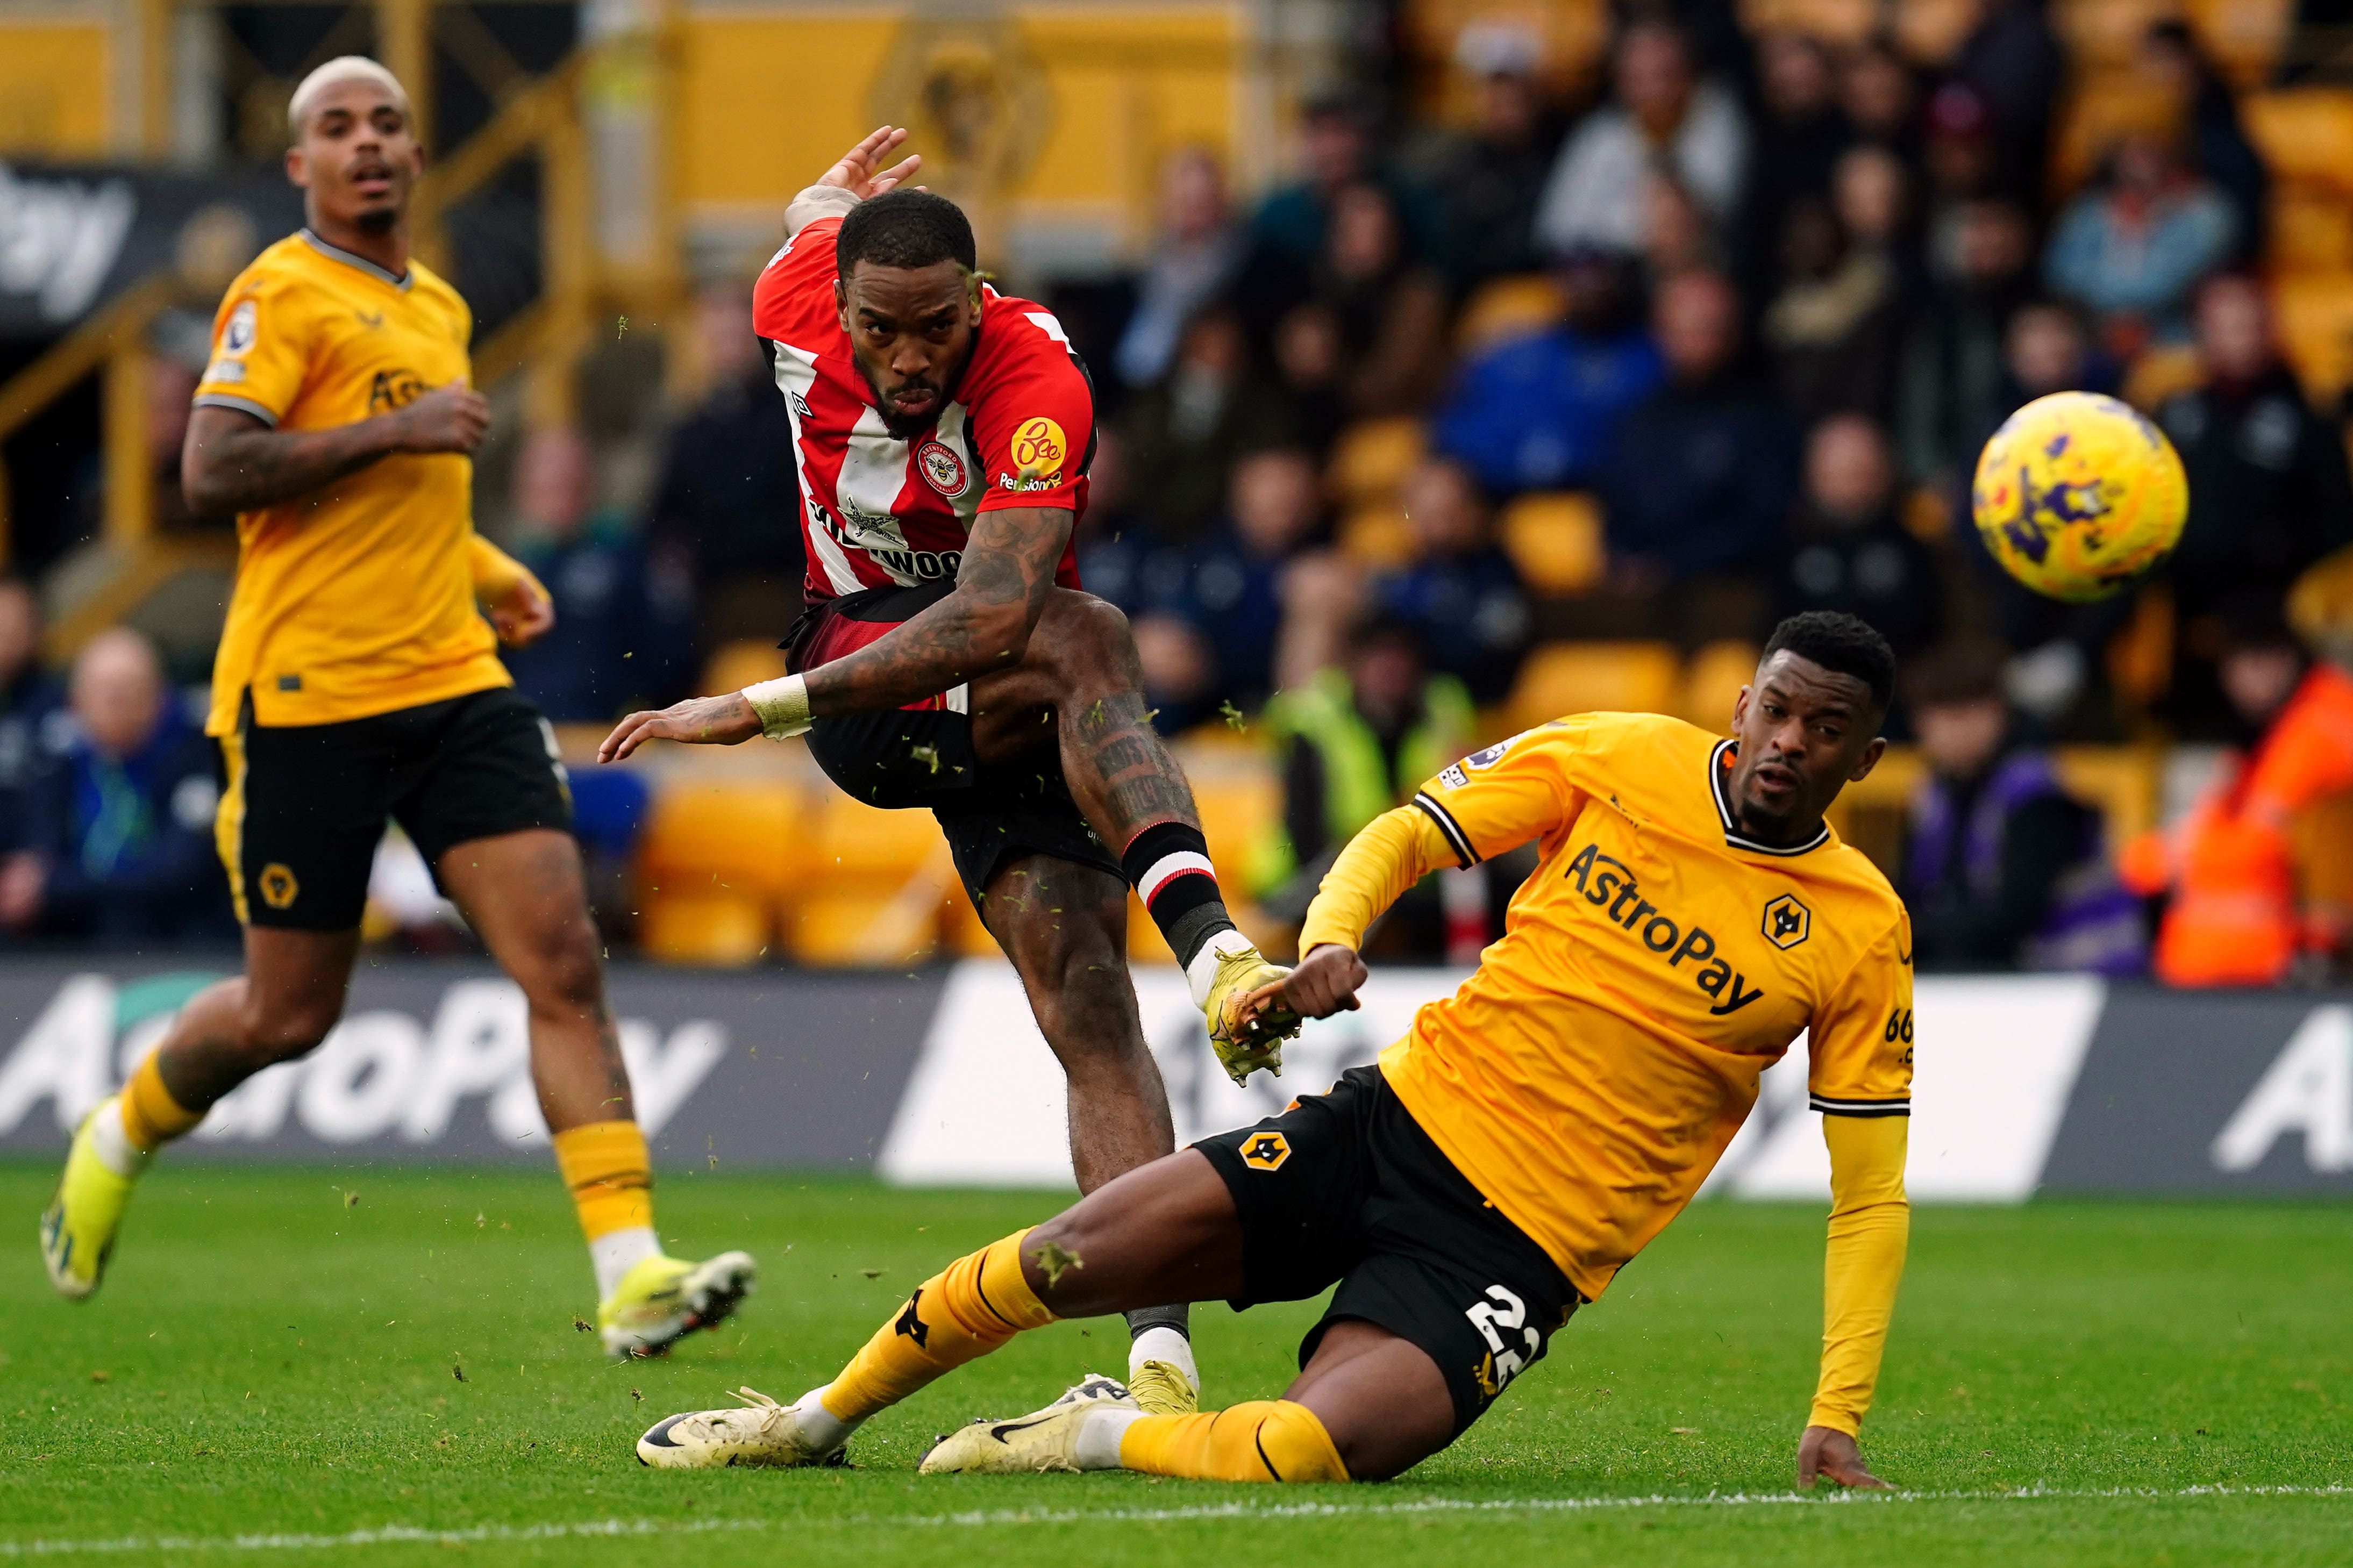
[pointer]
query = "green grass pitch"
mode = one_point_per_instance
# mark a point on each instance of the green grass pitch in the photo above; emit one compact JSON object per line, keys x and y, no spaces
{"x":269,"y":1376}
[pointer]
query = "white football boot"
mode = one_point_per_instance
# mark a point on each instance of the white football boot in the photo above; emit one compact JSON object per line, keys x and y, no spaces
{"x":761,"y":1434}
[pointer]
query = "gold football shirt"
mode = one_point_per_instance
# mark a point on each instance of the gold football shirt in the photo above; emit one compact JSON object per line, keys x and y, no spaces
{"x":1587,"y":1078}
{"x":358,"y":598}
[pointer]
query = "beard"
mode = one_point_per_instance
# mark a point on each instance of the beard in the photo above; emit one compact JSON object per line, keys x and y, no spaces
{"x":377,"y":220}
{"x":906,"y":427}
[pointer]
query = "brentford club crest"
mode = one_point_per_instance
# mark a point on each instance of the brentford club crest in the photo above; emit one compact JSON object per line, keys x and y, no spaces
{"x":943,"y":469}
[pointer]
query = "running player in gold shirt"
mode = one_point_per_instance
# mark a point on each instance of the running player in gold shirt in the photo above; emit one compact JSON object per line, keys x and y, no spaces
{"x":1690,"y":916}
{"x":356,"y":680}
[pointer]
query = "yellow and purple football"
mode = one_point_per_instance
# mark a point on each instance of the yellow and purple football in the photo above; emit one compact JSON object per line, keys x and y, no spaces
{"x":2077,"y":495}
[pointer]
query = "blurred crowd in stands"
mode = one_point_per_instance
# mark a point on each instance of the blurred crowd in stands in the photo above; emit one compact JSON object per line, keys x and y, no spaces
{"x":1536,"y":390}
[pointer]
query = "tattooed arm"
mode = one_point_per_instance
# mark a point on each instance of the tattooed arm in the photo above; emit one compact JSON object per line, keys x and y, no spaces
{"x":232,"y":462}
{"x":984,"y":625}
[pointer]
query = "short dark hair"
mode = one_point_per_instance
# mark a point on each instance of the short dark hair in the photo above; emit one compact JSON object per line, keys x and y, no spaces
{"x":1843,"y":644}
{"x":906,"y":228}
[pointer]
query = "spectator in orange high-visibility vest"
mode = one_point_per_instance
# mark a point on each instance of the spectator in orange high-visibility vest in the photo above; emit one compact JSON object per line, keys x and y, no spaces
{"x":2239,"y":913}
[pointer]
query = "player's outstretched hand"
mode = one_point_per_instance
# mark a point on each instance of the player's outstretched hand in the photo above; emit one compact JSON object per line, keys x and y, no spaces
{"x":700,"y":720}
{"x":856,"y":173}
{"x":449,"y":418}
{"x":1827,"y":1454}
{"x":1325,"y":982}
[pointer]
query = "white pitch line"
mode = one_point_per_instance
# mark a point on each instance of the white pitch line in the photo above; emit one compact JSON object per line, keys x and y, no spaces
{"x":405,"y":1534}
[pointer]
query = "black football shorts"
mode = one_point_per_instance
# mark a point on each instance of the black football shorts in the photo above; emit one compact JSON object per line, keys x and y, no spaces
{"x":305,"y":805}
{"x":921,"y":755}
{"x":1347,"y":1186}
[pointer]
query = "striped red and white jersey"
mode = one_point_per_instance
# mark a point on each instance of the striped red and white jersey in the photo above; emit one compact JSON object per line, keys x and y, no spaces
{"x":876,"y":511}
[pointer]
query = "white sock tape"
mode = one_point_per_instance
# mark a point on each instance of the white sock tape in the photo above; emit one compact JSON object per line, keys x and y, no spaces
{"x":783,"y":706}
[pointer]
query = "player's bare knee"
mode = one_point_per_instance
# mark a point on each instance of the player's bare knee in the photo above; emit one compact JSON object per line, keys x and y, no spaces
{"x":269,"y":1035}
{"x":563,"y":975}
{"x":1085,"y":638}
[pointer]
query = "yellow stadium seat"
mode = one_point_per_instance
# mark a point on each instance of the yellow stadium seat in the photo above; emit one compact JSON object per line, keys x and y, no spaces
{"x":865,"y":926}
{"x":2315,"y":329}
{"x":1929,"y":32}
{"x":2310,"y":227}
{"x":1376,"y":536}
{"x":1571,"y":36}
{"x":1713,"y":680}
{"x":2104,"y":107}
{"x":736,"y":836}
{"x":736,"y":665}
{"x":1238,"y":805}
{"x":1591,"y":677}
{"x":1841,"y":22}
{"x":1372,"y":457}
{"x":1145,"y":942}
{"x":2097,"y":33}
{"x":2162,"y":372}
{"x":2244,"y":37}
{"x":2323,"y":835}
{"x":961,"y":928}
{"x":1506,"y":308}
{"x":2140,"y":655}
{"x":695,"y":926}
{"x":2320,"y":605}
{"x":853,"y":842}
{"x":2122,"y":782}
{"x":1555,"y":539}
{"x":2303,"y":133}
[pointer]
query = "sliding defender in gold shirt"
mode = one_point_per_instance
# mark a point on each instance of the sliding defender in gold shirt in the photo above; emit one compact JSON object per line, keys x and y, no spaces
{"x":356,"y":681}
{"x":1690,"y":915}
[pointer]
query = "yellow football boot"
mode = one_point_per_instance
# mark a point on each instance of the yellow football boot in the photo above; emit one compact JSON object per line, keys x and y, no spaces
{"x":1161,"y":1388}
{"x":663,"y":1299}
{"x":1248,"y":1020}
{"x":78,"y":1227}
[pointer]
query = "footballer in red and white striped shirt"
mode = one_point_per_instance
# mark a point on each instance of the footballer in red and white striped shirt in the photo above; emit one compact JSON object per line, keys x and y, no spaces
{"x":942,"y":432}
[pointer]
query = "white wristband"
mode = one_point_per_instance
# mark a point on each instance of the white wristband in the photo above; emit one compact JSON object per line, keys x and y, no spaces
{"x":783,"y":706}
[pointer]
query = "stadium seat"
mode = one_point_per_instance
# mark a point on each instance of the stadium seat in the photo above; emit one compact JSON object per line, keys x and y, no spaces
{"x":2310,"y":229}
{"x":2161,"y":372}
{"x":2244,"y":38}
{"x":1378,"y":536}
{"x":2302,"y":133}
{"x":1572,"y":34}
{"x":1239,"y":802}
{"x":2104,"y":106}
{"x":1596,"y":676}
{"x":2140,"y":655}
{"x":1372,"y":456}
{"x":1841,"y":22}
{"x":2120,"y":781}
{"x":740,"y":835}
{"x":1713,"y":680}
{"x":1929,"y":32}
{"x":863,"y":926}
{"x":961,"y":929}
{"x":851,"y":841}
{"x":736,"y":665}
{"x":1555,"y":540}
{"x":2107,"y":33}
{"x":690,"y":926}
{"x":1506,"y":308}
{"x":2324,"y":850}
{"x":2315,"y":330}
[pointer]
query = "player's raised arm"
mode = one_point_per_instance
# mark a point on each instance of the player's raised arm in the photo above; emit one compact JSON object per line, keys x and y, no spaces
{"x":1860,"y":1048}
{"x":856,"y":175}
